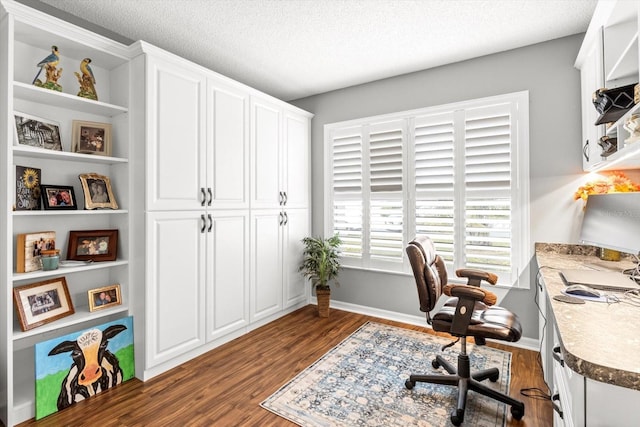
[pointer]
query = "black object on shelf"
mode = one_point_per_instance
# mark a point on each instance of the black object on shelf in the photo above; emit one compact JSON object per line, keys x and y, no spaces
{"x":609,"y":145}
{"x":613,"y":103}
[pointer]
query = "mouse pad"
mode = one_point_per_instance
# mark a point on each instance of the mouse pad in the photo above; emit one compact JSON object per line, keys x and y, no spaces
{"x":569,"y":299}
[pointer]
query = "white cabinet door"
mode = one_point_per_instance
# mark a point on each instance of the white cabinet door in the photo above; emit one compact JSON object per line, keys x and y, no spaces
{"x":296,"y":227}
{"x":227,"y":273}
{"x":175,"y":293}
{"x":296,"y":169}
{"x":266,"y":191}
{"x":227,"y":132}
{"x":591,"y":79}
{"x":176,"y":140}
{"x":266,"y":263}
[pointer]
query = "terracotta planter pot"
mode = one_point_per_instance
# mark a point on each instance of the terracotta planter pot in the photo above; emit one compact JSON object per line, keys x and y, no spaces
{"x":324,"y":296}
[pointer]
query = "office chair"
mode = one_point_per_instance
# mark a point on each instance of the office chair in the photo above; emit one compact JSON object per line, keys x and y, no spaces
{"x":469,"y":313}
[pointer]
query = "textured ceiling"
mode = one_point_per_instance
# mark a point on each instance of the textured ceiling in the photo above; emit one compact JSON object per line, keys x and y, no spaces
{"x":296,"y":48}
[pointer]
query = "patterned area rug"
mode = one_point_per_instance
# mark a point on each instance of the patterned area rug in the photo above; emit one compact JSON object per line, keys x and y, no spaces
{"x":360,"y":382}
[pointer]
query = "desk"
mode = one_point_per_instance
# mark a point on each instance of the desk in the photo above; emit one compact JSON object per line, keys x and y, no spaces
{"x":600,"y":341}
{"x":596,"y":378}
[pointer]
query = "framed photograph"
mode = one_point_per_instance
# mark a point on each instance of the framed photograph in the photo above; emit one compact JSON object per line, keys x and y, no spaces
{"x":58,"y":197}
{"x":91,"y":138}
{"x":97,"y":191}
{"x":36,"y":132}
{"x":42,"y":302}
{"x":104,"y":297}
{"x":93,"y":245}
{"x":29,"y":247}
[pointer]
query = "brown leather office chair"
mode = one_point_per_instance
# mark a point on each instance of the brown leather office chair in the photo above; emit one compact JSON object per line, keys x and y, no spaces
{"x":469,"y":313}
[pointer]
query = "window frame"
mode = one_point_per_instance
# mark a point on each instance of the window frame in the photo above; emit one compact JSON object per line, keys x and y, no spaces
{"x":521,"y":250}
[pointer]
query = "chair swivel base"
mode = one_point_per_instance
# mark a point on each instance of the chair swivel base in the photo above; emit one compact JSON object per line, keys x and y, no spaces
{"x":462,"y":379}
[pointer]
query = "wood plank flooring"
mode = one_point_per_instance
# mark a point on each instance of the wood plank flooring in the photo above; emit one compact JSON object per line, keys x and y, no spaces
{"x":225,"y":386}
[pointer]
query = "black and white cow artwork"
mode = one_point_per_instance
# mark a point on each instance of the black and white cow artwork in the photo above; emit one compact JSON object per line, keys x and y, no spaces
{"x":94,"y":368}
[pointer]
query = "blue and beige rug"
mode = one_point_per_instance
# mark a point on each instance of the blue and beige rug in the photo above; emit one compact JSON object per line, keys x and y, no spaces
{"x":360,"y":382}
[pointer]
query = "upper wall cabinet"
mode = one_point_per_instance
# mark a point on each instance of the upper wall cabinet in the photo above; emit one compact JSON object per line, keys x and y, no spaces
{"x":609,"y":58}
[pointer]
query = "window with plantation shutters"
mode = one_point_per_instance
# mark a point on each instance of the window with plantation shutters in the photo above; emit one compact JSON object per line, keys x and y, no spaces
{"x":457,"y":173}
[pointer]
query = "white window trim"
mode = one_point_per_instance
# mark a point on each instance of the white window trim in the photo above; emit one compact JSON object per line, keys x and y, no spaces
{"x":520,"y":225}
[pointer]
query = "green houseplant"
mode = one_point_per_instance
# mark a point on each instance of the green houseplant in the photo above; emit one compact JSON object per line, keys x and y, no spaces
{"x":321,"y":264}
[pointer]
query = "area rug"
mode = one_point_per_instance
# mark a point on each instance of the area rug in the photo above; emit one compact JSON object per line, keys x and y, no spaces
{"x":360,"y":382}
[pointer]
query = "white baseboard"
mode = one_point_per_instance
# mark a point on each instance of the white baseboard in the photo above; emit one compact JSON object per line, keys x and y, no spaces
{"x":524,"y":342}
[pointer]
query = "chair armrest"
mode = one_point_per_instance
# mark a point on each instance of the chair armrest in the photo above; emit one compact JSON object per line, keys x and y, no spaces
{"x":472,"y":292}
{"x":476,"y":276}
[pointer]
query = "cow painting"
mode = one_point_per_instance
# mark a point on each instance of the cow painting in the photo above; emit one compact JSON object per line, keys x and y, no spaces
{"x":94,"y":368}
{"x":76,"y":366}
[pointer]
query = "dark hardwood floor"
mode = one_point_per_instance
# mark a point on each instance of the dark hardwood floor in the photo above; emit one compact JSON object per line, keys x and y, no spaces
{"x":225,"y":386}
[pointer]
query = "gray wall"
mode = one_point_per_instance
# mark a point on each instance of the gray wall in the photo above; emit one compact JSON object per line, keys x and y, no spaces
{"x":546,"y":70}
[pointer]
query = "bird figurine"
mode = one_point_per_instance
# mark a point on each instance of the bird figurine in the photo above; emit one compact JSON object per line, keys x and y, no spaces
{"x":86,"y":80}
{"x":49,"y":64}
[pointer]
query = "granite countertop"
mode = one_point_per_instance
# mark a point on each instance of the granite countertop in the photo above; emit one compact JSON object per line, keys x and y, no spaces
{"x":599,"y":340}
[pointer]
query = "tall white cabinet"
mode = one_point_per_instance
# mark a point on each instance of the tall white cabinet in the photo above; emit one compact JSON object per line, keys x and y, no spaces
{"x":205,"y":148}
{"x":26,"y":37}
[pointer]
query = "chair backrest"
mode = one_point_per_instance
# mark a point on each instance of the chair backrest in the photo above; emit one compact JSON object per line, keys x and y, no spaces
{"x":429,"y":271}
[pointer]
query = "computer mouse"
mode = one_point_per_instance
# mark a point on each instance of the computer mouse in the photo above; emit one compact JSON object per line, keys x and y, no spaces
{"x":581,"y":290}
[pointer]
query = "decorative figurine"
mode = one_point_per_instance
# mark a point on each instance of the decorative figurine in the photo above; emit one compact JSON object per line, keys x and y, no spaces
{"x":632,"y":125}
{"x":49,"y":64}
{"x":86,"y":80}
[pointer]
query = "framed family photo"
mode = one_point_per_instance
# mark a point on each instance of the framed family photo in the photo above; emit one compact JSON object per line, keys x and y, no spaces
{"x":58,"y":197}
{"x":105,"y":297}
{"x":36,"y":132}
{"x":98,"y":193}
{"x":91,"y":138}
{"x":93,"y":245}
{"x":42,"y":302}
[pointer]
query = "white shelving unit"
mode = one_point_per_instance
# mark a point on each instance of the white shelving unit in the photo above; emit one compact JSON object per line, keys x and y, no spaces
{"x":26,"y":36}
{"x":613,"y":31}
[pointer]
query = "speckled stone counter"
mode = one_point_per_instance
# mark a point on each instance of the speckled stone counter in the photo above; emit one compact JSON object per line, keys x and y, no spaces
{"x":600,"y":341}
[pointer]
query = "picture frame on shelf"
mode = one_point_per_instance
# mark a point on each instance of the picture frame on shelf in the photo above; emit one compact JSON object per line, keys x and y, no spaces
{"x":36,"y":132}
{"x":42,"y":302}
{"x":28,"y":181}
{"x":98,"y":193}
{"x":29,"y":247}
{"x":92,"y":245}
{"x":91,"y":138}
{"x":105,"y":297}
{"x":58,"y":197}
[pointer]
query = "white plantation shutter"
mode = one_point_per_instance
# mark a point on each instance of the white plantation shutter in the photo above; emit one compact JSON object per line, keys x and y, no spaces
{"x":488,"y":188}
{"x":434,"y":180}
{"x":386,"y":141}
{"x":347,"y":190}
{"x":456,"y":173}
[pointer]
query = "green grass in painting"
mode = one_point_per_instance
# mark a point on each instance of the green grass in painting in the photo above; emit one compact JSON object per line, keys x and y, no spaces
{"x":48,"y":388}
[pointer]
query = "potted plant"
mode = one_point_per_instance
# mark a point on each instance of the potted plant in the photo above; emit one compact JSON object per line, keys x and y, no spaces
{"x":321,"y":264}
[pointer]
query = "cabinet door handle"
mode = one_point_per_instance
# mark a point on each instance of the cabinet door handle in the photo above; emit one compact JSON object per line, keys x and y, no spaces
{"x":280,"y":198}
{"x":210,"y":199}
{"x":210,"y":223}
{"x":204,"y":223}
{"x":286,"y":218}
{"x":557,"y":355}
{"x":281,"y":218}
{"x":203,"y":200}
{"x":585,"y":150}
{"x":556,"y":408}
{"x":286,"y":198}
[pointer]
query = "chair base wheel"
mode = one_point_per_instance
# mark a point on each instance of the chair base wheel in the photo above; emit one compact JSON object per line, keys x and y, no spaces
{"x":457,"y":417}
{"x":409,"y":384}
{"x":517,"y":412}
{"x":435,"y":364}
{"x":494,"y":378}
